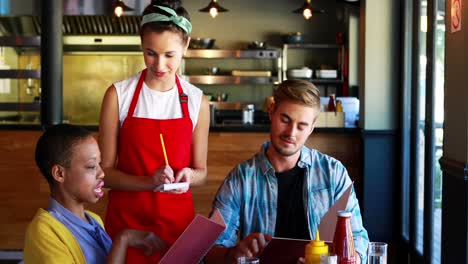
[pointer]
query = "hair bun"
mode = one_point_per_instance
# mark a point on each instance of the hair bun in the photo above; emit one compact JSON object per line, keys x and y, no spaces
{"x":174,"y":4}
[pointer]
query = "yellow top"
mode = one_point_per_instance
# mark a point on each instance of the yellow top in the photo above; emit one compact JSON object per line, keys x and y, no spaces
{"x":314,"y":249}
{"x":49,"y":241}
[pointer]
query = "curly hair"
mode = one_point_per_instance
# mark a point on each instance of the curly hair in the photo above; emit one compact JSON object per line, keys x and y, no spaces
{"x":55,"y":147}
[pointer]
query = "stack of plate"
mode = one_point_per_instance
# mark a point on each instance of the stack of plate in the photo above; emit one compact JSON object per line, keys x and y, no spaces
{"x":326,"y":74}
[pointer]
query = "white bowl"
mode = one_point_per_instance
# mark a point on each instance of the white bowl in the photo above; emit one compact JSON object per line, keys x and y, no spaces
{"x":300,"y":73}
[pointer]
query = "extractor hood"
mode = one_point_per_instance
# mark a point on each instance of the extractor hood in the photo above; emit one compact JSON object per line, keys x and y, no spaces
{"x":88,"y":25}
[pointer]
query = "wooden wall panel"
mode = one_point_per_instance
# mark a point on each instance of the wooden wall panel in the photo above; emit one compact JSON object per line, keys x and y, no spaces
{"x":23,"y":188}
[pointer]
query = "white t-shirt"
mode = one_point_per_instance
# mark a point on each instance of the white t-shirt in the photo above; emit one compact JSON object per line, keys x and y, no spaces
{"x":155,"y":104}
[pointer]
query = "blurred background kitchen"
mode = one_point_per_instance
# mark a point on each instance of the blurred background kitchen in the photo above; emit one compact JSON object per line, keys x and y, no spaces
{"x":100,"y":49}
{"x":390,"y":74}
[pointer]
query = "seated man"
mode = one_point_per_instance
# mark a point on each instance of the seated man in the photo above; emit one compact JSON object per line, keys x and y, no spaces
{"x":286,"y":188}
{"x":68,"y":156}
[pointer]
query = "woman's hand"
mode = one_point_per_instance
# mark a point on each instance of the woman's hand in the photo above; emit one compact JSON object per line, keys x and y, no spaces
{"x":163,"y":175}
{"x":183,"y":175}
{"x":145,"y":241}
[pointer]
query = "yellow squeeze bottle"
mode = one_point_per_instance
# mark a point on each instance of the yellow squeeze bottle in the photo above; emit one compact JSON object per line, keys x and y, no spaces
{"x":314,"y":249}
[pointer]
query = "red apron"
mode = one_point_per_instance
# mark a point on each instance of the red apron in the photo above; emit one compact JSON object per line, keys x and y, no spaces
{"x":140,"y":153}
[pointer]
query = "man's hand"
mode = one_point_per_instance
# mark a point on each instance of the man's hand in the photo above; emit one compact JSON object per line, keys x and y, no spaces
{"x":250,"y":246}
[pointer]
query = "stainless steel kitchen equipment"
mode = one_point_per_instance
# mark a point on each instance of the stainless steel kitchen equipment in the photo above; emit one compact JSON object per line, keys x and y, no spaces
{"x":201,"y":43}
{"x":86,"y":25}
{"x":248,"y":114}
{"x":212,"y":115}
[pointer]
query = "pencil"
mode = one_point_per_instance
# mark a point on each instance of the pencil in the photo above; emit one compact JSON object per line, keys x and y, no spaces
{"x":163,"y":148}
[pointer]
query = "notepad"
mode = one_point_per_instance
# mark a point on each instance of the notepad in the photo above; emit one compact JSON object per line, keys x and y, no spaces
{"x":171,"y":186}
{"x":193,"y":244}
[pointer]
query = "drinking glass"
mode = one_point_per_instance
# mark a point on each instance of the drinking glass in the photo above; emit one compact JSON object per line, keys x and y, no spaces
{"x":377,"y":253}
{"x":247,"y":260}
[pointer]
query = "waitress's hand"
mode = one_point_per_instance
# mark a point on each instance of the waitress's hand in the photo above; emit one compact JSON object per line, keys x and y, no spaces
{"x":183,"y":175}
{"x":163,"y":175}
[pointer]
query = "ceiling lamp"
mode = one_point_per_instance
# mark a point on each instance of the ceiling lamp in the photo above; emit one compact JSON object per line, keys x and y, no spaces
{"x":306,"y":10}
{"x":120,"y":7}
{"x":213,"y":8}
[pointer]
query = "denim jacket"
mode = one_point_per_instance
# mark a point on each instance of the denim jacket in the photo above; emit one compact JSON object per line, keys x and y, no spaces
{"x":247,"y":199}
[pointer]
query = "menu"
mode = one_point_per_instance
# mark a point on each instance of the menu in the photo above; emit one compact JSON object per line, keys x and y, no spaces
{"x":193,"y":244}
{"x":328,"y":222}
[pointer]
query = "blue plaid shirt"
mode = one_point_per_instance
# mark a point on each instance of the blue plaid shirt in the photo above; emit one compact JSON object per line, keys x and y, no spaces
{"x":247,"y":199}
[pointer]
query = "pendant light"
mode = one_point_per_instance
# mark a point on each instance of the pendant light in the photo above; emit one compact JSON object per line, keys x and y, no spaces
{"x":306,"y":10}
{"x":120,"y":7}
{"x":213,"y":8}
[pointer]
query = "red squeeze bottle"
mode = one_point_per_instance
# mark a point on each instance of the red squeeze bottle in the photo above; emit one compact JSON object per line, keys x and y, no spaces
{"x":343,"y":243}
{"x":331,"y":104}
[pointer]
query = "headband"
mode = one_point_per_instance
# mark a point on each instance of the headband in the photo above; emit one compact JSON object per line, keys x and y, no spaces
{"x":180,"y":21}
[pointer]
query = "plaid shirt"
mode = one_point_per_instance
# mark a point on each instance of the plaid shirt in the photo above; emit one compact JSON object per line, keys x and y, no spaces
{"x":247,"y":199}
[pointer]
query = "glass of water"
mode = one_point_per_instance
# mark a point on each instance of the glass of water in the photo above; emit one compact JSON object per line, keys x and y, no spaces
{"x":247,"y":260}
{"x":377,"y":253}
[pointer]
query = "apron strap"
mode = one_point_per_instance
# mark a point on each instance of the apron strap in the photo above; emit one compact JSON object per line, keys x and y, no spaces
{"x":136,"y":94}
{"x":183,"y":98}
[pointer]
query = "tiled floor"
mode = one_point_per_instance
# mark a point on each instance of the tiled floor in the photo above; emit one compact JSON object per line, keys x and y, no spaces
{"x":10,"y":256}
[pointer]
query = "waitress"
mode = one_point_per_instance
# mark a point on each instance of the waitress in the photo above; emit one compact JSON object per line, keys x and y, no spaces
{"x":134,"y":113}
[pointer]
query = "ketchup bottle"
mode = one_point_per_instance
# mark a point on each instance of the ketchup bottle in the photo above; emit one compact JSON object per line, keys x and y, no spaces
{"x":331,"y":103}
{"x":343,"y":243}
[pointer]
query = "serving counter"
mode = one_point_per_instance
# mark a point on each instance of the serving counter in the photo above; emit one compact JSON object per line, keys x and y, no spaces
{"x":24,"y":189}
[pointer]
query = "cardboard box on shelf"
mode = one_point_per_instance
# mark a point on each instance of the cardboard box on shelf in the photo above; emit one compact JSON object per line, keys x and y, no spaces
{"x":331,"y":119}
{"x":350,"y":108}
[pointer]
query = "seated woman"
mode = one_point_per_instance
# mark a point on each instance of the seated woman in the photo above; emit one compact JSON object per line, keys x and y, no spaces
{"x":68,"y":156}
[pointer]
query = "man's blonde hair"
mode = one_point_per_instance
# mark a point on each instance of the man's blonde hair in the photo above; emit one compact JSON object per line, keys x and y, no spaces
{"x":298,"y":91}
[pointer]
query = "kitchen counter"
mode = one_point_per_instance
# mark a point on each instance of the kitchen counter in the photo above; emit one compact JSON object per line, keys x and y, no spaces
{"x":266,"y":128}
{"x":259,"y":128}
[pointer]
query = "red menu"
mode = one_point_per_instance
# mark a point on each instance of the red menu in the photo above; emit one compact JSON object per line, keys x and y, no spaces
{"x":193,"y":244}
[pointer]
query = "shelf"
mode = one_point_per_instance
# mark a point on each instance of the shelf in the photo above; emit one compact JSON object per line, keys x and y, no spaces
{"x":20,"y":41}
{"x":312,"y":46}
{"x":239,"y":54}
{"x":325,"y":81}
{"x":20,"y":74}
{"x":321,"y":81}
{"x":29,"y":107}
{"x":339,"y":49}
{"x":228,"y":79}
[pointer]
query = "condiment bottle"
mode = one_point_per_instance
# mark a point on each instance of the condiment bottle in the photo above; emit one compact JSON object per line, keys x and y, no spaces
{"x":331,"y":103}
{"x":343,"y":243}
{"x":248,"y":114}
{"x":339,"y":106}
{"x":315,"y":249}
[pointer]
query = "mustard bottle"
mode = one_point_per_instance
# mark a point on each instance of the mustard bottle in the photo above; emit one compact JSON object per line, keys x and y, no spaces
{"x":314,"y":249}
{"x":339,"y":106}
